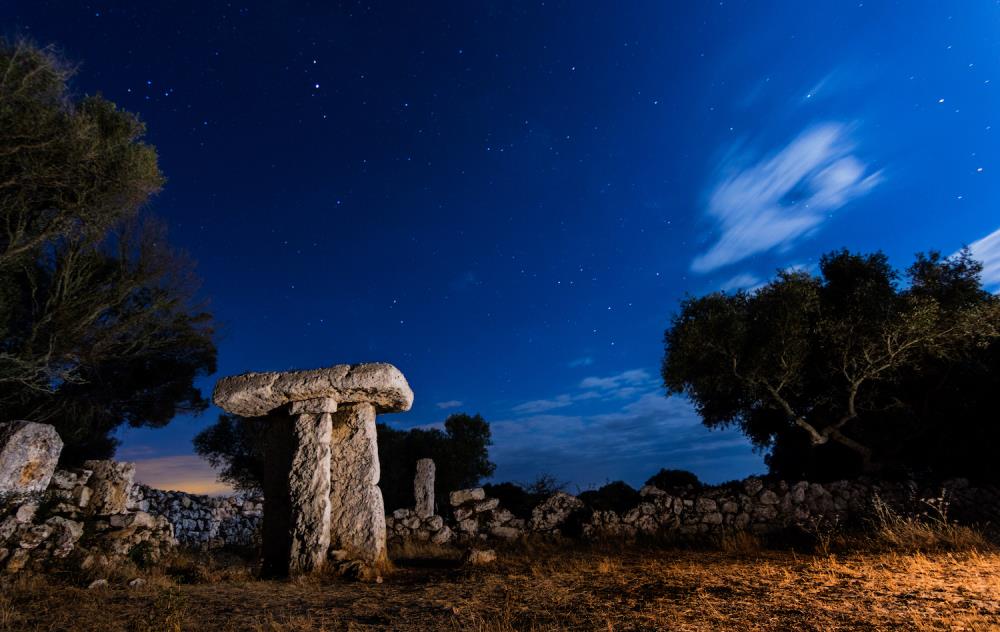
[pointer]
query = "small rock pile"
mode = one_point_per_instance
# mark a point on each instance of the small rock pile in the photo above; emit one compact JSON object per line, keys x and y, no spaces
{"x":203,"y":522}
{"x":479,"y":517}
{"x":405,"y":524}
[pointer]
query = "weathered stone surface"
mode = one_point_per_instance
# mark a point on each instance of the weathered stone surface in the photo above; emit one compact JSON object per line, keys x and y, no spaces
{"x":554,"y":511}
{"x":465,"y":495}
{"x":309,"y":492}
{"x":357,"y":523}
{"x":258,"y":394}
{"x":28,"y":455}
{"x":480,"y":557}
{"x":423,"y":488}
{"x":313,"y":406}
{"x":110,"y":484}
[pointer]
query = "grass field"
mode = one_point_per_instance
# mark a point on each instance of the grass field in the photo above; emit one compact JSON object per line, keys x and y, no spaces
{"x":543,"y":587}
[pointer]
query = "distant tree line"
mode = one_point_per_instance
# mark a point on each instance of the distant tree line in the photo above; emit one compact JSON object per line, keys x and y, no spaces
{"x":98,"y":322}
{"x":855,"y":370}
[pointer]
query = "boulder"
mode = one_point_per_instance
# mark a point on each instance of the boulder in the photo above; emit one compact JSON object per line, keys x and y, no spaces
{"x":110,"y":484}
{"x":480,"y":557}
{"x":463,"y":496}
{"x":29,"y":452}
{"x":554,"y":511}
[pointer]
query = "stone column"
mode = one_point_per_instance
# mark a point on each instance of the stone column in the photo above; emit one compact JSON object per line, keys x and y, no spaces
{"x":423,"y":488}
{"x":309,"y":484}
{"x":357,"y":526}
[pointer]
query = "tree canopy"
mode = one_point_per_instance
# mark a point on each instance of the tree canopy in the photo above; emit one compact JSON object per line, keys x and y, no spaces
{"x":98,"y":322}
{"x":851,"y":370}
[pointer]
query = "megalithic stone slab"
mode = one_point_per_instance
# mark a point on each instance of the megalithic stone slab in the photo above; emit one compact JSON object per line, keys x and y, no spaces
{"x":29,"y":452}
{"x":309,"y":493}
{"x":258,"y":394}
{"x":423,"y":488}
{"x":357,"y":523}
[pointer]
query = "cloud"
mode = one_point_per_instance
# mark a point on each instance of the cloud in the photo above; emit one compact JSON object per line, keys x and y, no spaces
{"x":185,"y":473}
{"x":584,"y":361}
{"x":740,"y":282}
{"x":649,"y":432}
{"x":631,"y":377}
{"x":451,"y":403}
{"x":542,"y":405}
{"x":987,"y":251}
{"x":783,"y":197}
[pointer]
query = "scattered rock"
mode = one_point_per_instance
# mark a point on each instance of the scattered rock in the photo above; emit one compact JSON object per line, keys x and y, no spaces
{"x":463,"y":496}
{"x":97,"y":583}
{"x":28,"y":455}
{"x":480,"y":557}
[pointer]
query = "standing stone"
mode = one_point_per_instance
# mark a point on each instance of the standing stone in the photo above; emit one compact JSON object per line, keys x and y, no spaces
{"x":110,"y":484}
{"x":28,"y":455}
{"x":309,"y":491}
{"x":423,"y":488}
{"x":357,"y":524}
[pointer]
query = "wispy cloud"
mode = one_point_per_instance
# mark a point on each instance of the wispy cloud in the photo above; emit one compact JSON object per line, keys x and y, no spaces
{"x":622,"y":385}
{"x":740,"y":282}
{"x":583,"y":361}
{"x":632,"y":377}
{"x":648,"y":432}
{"x":185,"y":473}
{"x":987,"y":252}
{"x":451,"y":403}
{"x":542,"y":405}
{"x":767,"y":204}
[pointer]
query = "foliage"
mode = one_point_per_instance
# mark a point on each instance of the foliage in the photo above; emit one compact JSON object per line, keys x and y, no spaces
{"x":668,"y":480}
{"x":513,"y":498}
{"x":97,"y":321}
{"x":616,"y":496}
{"x":460,"y":453}
{"x":835,"y":374}
{"x":545,"y":485}
{"x":235,"y":447}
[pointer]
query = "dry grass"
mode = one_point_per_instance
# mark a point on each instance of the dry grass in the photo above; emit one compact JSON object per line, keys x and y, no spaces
{"x":544,"y":587}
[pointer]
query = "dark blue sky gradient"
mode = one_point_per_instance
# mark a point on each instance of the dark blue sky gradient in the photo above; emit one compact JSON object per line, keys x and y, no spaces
{"x":507,"y":200}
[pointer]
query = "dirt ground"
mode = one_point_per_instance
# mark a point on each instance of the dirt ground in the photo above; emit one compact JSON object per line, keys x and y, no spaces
{"x":598,"y":588}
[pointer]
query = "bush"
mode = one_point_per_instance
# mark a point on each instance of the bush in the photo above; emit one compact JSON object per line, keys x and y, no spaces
{"x":513,"y":497}
{"x":617,"y":496}
{"x":668,"y":480}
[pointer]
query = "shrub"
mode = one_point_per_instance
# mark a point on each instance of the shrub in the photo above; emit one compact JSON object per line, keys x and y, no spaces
{"x":674,"y":479}
{"x":617,"y":496}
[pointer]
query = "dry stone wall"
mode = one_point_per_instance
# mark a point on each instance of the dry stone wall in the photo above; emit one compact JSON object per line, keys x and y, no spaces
{"x":755,"y":505}
{"x":203,"y":522}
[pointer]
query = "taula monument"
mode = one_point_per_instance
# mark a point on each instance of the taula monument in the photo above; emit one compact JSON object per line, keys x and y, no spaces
{"x":321,"y":497}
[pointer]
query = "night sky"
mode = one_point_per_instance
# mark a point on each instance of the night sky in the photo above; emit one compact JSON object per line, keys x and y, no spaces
{"x":507,"y":200}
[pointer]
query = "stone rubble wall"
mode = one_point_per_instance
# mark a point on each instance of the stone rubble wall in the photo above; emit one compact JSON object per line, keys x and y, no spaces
{"x":79,"y":521}
{"x":203,"y":522}
{"x":756,"y":505}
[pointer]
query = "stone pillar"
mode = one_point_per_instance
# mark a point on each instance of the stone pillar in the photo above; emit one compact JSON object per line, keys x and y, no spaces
{"x":309,"y":484}
{"x":357,"y":525}
{"x":423,"y":488}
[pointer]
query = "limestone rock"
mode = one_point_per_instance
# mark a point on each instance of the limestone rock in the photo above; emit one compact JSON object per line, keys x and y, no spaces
{"x":110,"y":484}
{"x":480,"y":557}
{"x":423,"y":488}
{"x":258,"y":394}
{"x":309,"y":491}
{"x":357,"y":523}
{"x":554,"y":511}
{"x":28,"y":455}
{"x":466,"y":495}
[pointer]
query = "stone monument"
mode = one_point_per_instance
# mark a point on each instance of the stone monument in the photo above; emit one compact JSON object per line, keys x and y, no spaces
{"x":321,"y":495}
{"x":423,"y":489}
